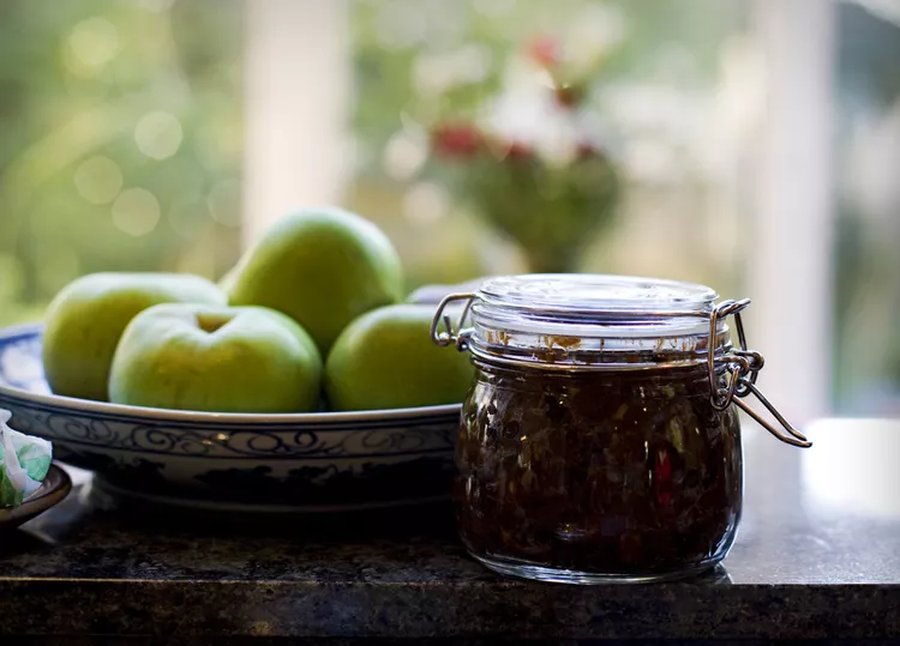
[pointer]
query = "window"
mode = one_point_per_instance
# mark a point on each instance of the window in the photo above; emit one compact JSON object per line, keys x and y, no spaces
{"x":164,"y":134}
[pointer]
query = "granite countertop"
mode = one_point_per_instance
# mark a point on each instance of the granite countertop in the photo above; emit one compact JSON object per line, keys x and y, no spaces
{"x":818,"y":556}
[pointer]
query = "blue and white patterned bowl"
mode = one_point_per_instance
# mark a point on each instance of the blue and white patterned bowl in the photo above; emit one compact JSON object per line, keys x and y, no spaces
{"x":233,"y":462}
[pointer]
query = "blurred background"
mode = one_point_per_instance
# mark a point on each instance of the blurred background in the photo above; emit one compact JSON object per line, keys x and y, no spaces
{"x":753,"y":146}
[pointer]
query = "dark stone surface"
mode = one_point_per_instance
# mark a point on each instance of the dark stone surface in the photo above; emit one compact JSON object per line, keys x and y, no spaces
{"x":817,"y":557}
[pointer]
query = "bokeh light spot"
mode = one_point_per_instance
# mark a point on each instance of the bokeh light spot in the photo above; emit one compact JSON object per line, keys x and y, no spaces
{"x":224,"y":202}
{"x":136,"y":212}
{"x":434,"y":74}
{"x":425,"y":203}
{"x":404,"y":155}
{"x":158,"y":134}
{"x":98,"y":179}
{"x":94,"y":42}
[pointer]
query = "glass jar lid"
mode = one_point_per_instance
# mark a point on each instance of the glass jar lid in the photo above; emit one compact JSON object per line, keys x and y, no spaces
{"x":588,"y":322}
{"x":592,"y":321}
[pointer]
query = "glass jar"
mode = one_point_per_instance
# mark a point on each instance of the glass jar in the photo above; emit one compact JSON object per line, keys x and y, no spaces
{"x":600,"y":439}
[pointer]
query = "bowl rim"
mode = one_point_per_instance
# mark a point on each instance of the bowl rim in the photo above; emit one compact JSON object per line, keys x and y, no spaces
{"x":78,"y":405}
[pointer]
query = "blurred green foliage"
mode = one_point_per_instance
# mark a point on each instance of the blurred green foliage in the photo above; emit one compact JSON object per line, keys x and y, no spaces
{"x":419,"y":62}
{"x":392,"y":37}
{"x":121,"y":140}
{"x":122,"y":125}
{"x":121,"y":136}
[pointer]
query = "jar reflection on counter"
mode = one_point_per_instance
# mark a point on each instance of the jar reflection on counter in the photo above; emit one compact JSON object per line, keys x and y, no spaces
{"x":627,"y":474}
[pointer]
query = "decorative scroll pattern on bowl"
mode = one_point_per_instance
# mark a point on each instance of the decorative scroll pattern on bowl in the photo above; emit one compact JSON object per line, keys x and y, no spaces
{"x":375,"y":457}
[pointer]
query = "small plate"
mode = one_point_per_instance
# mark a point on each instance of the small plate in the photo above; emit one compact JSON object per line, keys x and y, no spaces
{"x":228,"y":461}
{"x":53,"y":489}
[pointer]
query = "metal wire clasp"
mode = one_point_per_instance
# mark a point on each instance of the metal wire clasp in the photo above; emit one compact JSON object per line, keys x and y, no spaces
{"x":742,"y":367}
{"x":448,"y":335}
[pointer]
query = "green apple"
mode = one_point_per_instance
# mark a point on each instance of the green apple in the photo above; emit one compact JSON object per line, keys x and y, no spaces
{"x":385,"y":359}
{"x":323,"y":268}
{"x":216,"y":358}
{"x":87,"y":317}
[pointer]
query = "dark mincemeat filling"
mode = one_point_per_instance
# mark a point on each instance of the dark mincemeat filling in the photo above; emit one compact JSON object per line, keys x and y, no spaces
{"x":619,"y":473}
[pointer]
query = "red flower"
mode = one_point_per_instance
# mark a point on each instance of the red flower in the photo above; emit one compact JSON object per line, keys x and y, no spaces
{"x":456,"y":139}
{"x":545,"y":51}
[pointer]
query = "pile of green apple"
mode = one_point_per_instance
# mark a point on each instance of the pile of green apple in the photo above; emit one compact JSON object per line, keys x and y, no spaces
{"x":310,"y":314}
